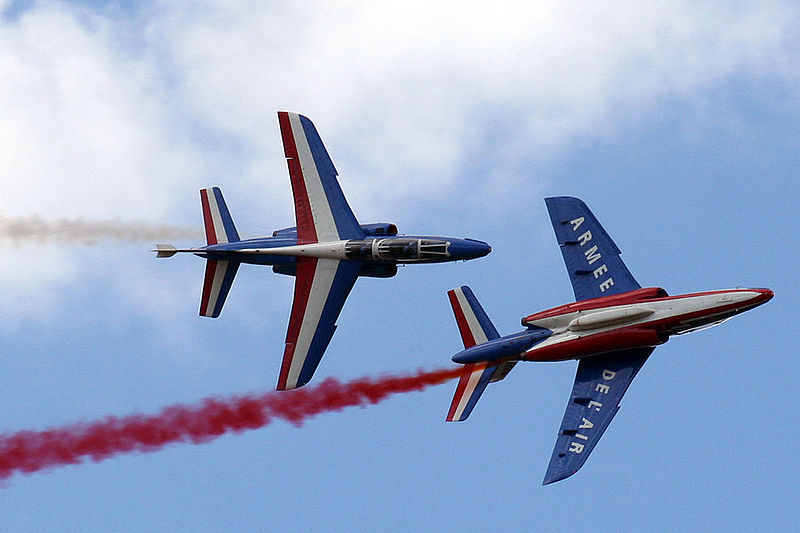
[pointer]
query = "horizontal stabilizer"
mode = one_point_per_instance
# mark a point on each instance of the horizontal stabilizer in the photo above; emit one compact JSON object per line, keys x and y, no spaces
{"x":470,"y":386}
{"x":216,"y":285}
{"x":476,"y":329}
{"x":473,"y":382}
{"x":473,"y":322}
{"x":216,"y":217}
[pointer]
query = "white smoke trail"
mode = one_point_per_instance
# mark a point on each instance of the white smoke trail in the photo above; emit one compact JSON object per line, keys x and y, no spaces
{"x":35,"y":228}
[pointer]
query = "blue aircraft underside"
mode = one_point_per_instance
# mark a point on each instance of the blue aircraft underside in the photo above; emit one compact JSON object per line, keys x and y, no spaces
{"x":326,"y":251}
{"x":388,"y":250}
{"x":604,"y":329}
{"x":504,"y":347}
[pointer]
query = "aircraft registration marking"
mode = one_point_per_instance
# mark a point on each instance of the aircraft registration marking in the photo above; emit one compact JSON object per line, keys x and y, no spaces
{"x":592,"y":255}
{"x":603,"y":388}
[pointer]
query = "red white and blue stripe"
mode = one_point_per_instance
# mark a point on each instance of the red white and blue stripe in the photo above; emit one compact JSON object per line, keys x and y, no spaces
{"x":216,"y":285}
{"x":321,"y":211}
{"x":322,"y":215}
{"x":475,"y":328}
{"x":321,"y":288}
{"x":471,"y":384}
{"x":216,"y":217}
{"x":219,"y":230}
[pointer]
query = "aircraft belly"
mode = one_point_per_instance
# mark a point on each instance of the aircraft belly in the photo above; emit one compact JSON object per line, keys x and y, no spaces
{"x":579,"y":334}
{"x":573,"y":346}
{"x":653,"y":313}
{"x":267,"y":260}
{"x":319,"y":250}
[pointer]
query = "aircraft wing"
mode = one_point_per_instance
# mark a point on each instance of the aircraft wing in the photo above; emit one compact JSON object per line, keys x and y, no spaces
{"x":320,"y":289}
{"x":592,"y":259}
{"x":600,"y":383}
{"x":321,"y":211}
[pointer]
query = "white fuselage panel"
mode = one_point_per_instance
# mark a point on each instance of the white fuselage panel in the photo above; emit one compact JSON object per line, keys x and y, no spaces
{"x":577,"y":324}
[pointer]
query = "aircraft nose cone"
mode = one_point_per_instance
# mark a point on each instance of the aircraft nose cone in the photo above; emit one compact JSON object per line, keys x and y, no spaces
{"x":469,"y":249}
{"x":755,"y":297}
{"x":766,"y":295}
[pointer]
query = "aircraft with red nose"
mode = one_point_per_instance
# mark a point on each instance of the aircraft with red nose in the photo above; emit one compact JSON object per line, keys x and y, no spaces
{"x":611,"y":329}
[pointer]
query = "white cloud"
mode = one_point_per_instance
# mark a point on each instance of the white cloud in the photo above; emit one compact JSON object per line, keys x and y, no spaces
{"x":404,"y":94}
{"x":85,"y":131}
{"x":107,"y":114}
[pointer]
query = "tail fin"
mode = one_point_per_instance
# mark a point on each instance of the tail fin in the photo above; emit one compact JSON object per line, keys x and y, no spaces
{"x":219,"y":230}
{"x":218,"y":222}
{"x":472,"y":320}
{"x":216,"y":285}
{"x":475,"y":328}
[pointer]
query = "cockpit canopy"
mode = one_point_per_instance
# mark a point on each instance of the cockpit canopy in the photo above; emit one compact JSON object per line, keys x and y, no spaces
{"x":401,"y":250}
{"x":380,"y":229}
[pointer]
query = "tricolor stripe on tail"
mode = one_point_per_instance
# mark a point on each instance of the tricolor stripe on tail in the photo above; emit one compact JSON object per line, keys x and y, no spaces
{"x":218,"y":222}
{"x":475,"y":328}
{"x":473,"y":322}
{"x":219,"y":230}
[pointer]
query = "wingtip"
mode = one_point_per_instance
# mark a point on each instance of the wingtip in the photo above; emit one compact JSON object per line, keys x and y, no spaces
{"x":286,"y":386}
{"x":553,"y":477}
{"x":287,"y":113}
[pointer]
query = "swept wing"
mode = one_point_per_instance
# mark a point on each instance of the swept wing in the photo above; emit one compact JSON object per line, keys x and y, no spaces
{"x":600,"y":383}
{"x":321,"y":287}
{"x":321,"y":211}
{"x":591,"y":257}
{"x":322,"y":215}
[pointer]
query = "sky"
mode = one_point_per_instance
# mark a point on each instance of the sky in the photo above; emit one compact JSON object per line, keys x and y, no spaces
{"x":676,"y":122}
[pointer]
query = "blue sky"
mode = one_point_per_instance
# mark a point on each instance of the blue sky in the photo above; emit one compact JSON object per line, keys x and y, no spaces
{"x":676,"y":122}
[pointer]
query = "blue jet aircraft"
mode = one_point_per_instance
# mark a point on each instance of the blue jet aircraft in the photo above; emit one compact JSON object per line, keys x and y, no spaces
{"x":326,"y":252}
{"x":611,"y":329}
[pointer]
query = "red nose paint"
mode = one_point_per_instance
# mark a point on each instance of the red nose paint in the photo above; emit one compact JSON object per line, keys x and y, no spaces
{"x":31,"y":451}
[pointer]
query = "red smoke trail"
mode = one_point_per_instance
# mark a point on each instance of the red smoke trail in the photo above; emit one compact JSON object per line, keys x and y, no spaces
{"x":31,"y":451}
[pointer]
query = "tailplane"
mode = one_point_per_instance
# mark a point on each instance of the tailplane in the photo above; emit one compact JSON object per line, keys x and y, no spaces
{"x":218,"y":222}
{"x":473,"y":322}
{"x":219,"y":230}
{"x":475,"y":328}
{"x":216,"y":285}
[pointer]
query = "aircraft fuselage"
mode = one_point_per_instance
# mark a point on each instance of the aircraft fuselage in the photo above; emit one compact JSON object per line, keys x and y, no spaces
{"x":639,"y":318}
{"x":391,"y":249}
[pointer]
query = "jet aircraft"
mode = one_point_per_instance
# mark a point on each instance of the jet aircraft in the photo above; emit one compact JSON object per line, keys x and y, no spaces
{"x":326,"y":251}
{"x":611,"y":329}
